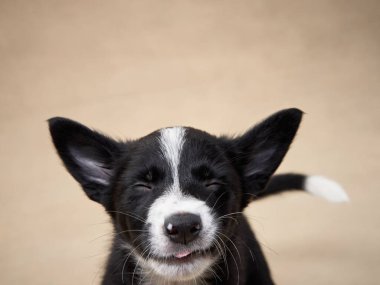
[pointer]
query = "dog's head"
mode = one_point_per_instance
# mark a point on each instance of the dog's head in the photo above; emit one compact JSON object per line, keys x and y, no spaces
{"x":172,"y":194}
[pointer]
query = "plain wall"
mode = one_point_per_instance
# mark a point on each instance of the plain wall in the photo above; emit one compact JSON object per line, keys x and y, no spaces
{"x":130,"y":67}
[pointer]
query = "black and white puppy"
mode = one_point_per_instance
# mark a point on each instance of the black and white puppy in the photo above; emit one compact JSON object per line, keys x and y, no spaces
{"x":176,"y":196}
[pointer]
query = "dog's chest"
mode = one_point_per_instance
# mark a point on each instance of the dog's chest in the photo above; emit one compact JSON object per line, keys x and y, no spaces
{"x":158,"y":281}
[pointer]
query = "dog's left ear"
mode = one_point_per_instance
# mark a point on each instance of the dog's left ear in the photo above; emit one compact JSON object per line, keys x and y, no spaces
{"x":261,"y":149}
{"x":88,"y":155}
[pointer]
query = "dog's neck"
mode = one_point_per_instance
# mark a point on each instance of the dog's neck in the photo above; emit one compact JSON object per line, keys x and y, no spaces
{"x":174,"y":283}
{"x":159,"y":281}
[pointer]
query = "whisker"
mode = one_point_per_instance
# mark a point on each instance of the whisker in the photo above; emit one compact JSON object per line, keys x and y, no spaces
{"x":230,"y":214}
{"x":116,"y":234}
{"x":217,"y":201}
{"x":223,"y":253}
{"x":129,"y":215}
{"x":232,"y":256}
{"x":130,"y":253}
{"x":232,"y":244}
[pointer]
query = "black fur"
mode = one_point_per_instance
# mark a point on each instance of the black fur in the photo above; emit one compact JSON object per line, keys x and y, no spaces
{"x":226,"y":173}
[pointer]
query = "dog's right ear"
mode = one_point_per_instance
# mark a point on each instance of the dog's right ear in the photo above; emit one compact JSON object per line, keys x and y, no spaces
{"x":261,"y":149}
{"x":88,"y":156}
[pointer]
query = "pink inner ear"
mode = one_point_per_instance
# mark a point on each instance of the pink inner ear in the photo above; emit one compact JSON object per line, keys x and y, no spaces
{"x":92,"y":169}
{"x":260,"y":161}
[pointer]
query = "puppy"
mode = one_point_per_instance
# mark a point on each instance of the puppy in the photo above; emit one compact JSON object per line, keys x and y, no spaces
{"x":176,"y":196}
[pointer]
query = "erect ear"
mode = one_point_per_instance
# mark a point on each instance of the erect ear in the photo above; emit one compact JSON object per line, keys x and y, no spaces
{"x":87,"y":155}
{"x":261,"y":149}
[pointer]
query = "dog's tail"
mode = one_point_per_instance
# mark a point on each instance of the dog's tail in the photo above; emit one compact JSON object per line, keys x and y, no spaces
{"x":316,"y":185}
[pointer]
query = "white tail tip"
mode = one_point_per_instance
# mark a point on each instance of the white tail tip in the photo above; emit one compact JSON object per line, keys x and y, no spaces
{"x":325,"y":188}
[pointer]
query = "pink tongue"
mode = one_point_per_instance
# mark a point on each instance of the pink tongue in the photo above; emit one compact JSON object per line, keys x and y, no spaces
{"x":182,"y":254}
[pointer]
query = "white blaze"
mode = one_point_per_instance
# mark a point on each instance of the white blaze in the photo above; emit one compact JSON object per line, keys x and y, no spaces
{"x":172,"y":140}
{"x":173,"y":201}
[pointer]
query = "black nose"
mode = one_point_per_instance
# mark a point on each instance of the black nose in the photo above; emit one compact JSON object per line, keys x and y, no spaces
{"x":183,"y":228}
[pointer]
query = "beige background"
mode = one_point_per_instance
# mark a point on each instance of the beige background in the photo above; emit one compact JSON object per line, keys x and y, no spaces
{"x":130,"y":67}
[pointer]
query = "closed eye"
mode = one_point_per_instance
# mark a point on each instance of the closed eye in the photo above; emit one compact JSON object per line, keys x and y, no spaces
{"x":142,"y":186}
{"x":214,"y":184}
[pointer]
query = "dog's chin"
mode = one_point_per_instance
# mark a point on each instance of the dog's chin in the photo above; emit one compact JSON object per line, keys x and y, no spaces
{"x":190,"y":267}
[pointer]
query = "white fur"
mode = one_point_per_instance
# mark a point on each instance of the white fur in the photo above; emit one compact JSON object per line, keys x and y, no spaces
{"x":325,"y":188}
{"x":175,"y":201}
{"x":172,"y":140}
{"x":184,"y":274}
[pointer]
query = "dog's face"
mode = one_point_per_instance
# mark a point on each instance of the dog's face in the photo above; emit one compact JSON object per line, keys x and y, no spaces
{"x":173,"y":189}
{"x":172,"y":194}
